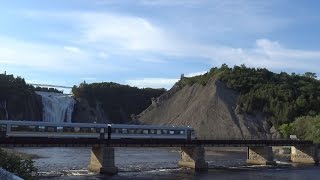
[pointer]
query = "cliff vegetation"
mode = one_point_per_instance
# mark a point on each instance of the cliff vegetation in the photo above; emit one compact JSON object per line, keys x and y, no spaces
{"x":18,"y":99}
{"x":290,"y":101}
{"x":117,"y":101}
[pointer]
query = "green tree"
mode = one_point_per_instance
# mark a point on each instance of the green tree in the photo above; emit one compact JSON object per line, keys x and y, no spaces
{"x":22,"y":167}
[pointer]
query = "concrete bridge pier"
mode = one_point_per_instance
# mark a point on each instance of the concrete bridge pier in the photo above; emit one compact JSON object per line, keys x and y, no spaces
{"x":102,"y":160}
{"x":260,"y":155}
{"x":193,"y":157}
{"x":307,"y":154}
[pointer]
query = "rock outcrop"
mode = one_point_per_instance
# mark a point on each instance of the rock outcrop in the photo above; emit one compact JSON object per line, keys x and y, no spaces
{"x":84,"y":113}
{"x":21,"y":107}
{"x":209,"y":109}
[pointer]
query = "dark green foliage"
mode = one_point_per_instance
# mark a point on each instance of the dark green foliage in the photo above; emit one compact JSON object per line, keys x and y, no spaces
{"x":282,"y":96}
{"x":118,"y":101}
{"x":23,"y":168}
{"x":286,"y":130}
{"x":13,"y":91}
{"x":47,"y":89}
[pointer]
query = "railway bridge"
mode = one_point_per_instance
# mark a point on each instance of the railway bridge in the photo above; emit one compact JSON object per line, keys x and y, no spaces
{"x":192,"y":152}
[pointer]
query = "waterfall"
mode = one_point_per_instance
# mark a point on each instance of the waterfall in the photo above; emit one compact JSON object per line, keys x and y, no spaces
{"x":57,"y":107}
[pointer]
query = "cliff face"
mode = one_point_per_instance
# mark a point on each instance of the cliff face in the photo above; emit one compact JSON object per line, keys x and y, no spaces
{"x":110,"y":102}
{"x":21,"y":107}
{"x":209,"y":109}
{"x":84,"y":113}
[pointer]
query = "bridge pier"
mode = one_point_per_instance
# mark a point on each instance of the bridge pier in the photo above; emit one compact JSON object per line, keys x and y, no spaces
{"x":307,"y":154}
{"x":102,"y":160}
{"x":260,"y":155}
{"x":193,"y":157}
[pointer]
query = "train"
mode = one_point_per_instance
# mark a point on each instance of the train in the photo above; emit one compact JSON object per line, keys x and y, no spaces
{"x":11,"y":128}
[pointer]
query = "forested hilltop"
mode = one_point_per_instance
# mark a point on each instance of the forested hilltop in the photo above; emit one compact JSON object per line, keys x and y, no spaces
{"x":288,"y":100}
{"x":18,"y":99}
{"x":118,"y":102}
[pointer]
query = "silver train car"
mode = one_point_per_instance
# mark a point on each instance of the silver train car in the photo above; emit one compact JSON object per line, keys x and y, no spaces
{"x":88,"y":130}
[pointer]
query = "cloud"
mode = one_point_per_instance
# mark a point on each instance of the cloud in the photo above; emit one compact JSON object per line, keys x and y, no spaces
{"x":135,"y":34}
{"x":195,"y":74}
{"x":128,"y":32}
{"x":159,"y":82}
{"x":71,"y":49}
{"x":137,"y":37}
{"x":103,"y":55}
{"x":153,"y":60}
{"x":153,"y":82}
{"x":51,"y":58}
{"x":171,"y":2}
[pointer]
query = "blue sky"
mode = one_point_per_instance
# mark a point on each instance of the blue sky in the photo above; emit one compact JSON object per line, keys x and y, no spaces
{"x":150,"y":43}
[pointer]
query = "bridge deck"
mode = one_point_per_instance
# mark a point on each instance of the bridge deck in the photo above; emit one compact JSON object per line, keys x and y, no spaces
{"x":72,"y":142}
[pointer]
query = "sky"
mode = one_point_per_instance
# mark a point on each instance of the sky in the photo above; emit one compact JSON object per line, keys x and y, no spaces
{"x":150,"y":43}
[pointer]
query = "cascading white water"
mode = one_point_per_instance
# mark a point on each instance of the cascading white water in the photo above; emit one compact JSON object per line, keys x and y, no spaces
{"x":57,"y":107}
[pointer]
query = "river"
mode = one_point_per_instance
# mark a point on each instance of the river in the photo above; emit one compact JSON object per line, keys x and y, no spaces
{"x":161,"y":163}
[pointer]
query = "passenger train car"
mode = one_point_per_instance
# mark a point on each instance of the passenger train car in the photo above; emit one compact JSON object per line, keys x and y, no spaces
{"x":90,"y":130}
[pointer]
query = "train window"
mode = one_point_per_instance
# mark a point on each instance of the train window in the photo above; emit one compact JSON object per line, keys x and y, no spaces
{"x":3,"y":127}
{"x":138,"y":131}
{"x":164,"y":131}
{"x":101,"y":130}
{"x":32,"y":128}
{"x":50,"y":129}
{"x":20,"y":128}
{"x":60,"y":129}
{"x":93,"y":130}
{"x":84,"y":129}
{"x":145,"y":131}
{"x":182,"y":132}
{"x":124,"y":131}
{"x":131,"y":131}
{"x":77,"y":129}
{"x":68,"y":129}
{"x":159,"y":131}
{"x":171,"y":132}
{"x":41,"y":128}
{"x":14,"y":128}
{"x":152,"y":131}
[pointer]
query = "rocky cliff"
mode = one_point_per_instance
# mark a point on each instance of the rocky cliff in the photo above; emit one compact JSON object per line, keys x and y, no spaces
{"x":21,"y":107}
{"x":210,"y":109}
{"x":110,"y":102}
{"x":84,"y":113}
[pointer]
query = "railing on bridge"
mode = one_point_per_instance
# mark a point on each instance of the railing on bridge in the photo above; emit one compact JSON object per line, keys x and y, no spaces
{"x":50,"y":85}
{"x":91,"y":142}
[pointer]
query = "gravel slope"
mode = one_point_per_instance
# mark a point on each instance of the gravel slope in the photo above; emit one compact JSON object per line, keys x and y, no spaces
{"x":209,"y":109}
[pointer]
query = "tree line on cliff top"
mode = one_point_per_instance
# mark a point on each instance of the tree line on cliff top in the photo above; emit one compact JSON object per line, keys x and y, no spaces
{"x":118,"y":101}
{"x":283,"y":97}
{"x":14,"y":92}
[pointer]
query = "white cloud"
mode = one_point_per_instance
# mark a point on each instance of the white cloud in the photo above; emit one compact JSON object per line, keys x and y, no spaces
{"x":153,"y":82}
{"x":153,"y":60}
{"x":135,"y":34}
{"x":71,"y":49}
{"x":171,"y":2}
{"x":129,"y":32}
{"x":195,"y":73}
{"x":89,"y":79}
{"x":132,"y":35}
{"x":50,"y":58}
{"x":103,"y":55}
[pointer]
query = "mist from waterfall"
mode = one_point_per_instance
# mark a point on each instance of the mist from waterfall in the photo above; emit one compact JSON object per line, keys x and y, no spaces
{"x":57,"y":107}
